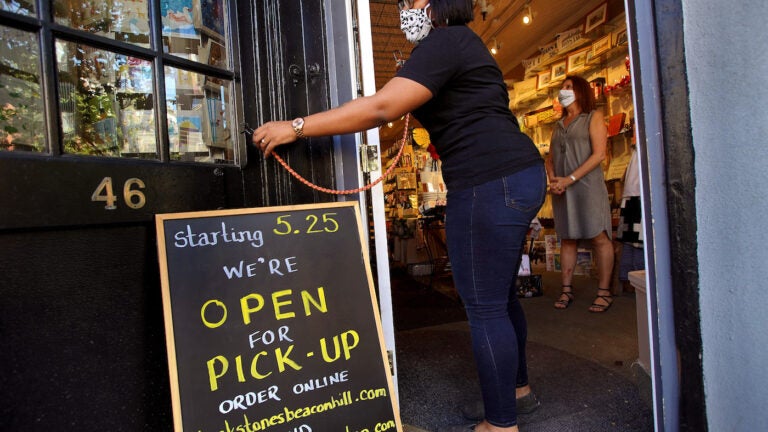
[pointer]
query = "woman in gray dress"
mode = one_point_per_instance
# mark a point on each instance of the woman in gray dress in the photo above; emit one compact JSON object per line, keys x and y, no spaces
{"x":580,"y":198}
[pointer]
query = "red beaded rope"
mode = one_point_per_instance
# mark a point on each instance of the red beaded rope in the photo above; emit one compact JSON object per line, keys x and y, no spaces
{"x":350,"y":191}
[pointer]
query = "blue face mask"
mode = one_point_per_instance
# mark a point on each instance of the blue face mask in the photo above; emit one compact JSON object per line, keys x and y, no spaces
{"x":415,"y":23}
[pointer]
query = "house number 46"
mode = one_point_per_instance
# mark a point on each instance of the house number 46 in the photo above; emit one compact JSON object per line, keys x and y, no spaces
{"x":133,"y":197}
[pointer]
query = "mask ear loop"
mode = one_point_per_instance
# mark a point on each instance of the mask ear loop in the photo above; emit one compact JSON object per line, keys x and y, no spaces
{"x":429,"y":16}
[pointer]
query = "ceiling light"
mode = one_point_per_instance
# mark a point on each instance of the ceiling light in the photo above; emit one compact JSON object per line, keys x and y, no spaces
{"x":528,"y":16}
{"x":496,"y":47}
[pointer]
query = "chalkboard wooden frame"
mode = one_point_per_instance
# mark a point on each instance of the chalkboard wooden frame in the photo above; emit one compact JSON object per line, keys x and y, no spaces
{"x":239,"y":313}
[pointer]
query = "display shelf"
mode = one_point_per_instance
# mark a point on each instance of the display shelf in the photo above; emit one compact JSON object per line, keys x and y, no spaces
{"x":545,"y":64}
{"x":620,"y":90}
{"x":532,"y":99}
{"x":540,"y":116}
{"x":612,"y":54}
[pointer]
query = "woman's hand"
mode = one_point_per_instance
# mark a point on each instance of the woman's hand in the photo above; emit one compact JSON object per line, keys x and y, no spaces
{"x":558,"y":185}
{"x":272,"y":134}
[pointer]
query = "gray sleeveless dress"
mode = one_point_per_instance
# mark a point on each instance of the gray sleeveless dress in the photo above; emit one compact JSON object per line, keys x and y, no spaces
{"x":583,"y":211}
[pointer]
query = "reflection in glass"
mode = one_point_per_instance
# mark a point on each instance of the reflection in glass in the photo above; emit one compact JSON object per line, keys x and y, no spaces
{"x":124,"y":20}
{"x":199,"y":109}
{"x":106,"y":102}
{"x":22,"y":121}
{"x":21,"y":7}
{"x":196,"y":30}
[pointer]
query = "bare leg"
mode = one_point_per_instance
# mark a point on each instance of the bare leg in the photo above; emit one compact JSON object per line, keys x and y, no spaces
{"x":567,"y":264}
{"x":522,"y":391}
{"x":487,"y":427}
{"x":603,"y":248}
{"x":568,"y":260}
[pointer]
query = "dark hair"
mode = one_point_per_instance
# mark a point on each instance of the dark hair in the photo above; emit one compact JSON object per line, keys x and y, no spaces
{"x":451,"y":12}
{"x":583,"y":91}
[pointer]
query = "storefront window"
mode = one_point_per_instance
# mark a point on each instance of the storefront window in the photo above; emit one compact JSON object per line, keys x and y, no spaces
{"x":22,"y":122}
{"x":106,"y":102}
{"x":21,"y":7}
{"x":107,"y":90}
{"x":196,"y":30}
{"x":199,"y":118}
{"x":123,"y":20}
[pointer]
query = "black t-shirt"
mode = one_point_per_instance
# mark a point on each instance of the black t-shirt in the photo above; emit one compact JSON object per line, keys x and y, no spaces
{"x":468,"y":118}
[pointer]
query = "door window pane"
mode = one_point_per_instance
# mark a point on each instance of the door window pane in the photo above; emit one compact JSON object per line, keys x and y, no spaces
{"x":124,"y":20}
{"x":21,"y":7}
{"x":22,"y":120}
{"x":103,"y":93}
{"x":106,"y":102}
{"x":199,"y":107}
{"x":196,"y":30}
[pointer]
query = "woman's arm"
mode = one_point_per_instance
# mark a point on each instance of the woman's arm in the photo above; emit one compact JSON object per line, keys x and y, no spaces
{"x":598,"y":138}
{"x":398,"y":97}
{"x":549,"y":165}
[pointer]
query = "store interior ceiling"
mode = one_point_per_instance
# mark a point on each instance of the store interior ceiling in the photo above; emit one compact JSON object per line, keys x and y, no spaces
{"x":499,"y":23}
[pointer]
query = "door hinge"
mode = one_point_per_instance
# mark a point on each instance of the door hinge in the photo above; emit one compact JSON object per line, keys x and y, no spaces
{"x":369,"y":158}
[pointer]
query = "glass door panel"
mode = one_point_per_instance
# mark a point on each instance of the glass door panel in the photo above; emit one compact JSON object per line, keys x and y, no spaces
{"x":22,"y":120}
{"x":123,"y":20}
{"x":106,"y":102}
{"x":200,"y":126}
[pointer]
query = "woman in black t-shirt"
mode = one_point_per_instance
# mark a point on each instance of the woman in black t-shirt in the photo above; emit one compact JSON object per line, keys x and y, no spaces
{"x":494,"y":175}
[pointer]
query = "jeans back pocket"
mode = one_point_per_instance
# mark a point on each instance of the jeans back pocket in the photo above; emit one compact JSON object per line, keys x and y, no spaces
{"x":525,"y":190}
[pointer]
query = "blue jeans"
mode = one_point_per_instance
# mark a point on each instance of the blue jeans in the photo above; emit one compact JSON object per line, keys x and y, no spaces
{"x":485,"y":228}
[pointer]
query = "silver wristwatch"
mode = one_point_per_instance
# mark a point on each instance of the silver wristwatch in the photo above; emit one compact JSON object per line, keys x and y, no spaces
{"x":298,"y":126}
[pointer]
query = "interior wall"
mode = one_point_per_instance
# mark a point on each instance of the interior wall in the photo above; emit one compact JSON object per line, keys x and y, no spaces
{"x":726,"y":75}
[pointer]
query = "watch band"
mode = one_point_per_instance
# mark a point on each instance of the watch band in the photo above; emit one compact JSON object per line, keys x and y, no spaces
{"x":298,"y":127}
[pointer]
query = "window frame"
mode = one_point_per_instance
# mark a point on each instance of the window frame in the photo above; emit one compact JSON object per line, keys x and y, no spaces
{"x":48,"y":32}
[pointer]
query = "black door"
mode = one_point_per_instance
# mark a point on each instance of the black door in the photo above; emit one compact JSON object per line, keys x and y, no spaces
{"x":110,"y":116}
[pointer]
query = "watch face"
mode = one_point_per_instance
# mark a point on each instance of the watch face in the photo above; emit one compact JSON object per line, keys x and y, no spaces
{"x":298,"y":123}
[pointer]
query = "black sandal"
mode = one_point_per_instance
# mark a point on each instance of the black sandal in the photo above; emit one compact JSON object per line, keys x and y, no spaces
{"x":598,"y":307}
{"x":569,"y":298}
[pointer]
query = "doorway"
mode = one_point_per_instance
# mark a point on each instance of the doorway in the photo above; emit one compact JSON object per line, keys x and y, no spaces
{"x":666,"y":413}
{"x":51,"y":221}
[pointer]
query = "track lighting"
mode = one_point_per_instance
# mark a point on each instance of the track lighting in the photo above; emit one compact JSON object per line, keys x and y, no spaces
{"x":483,"y":9}
{"x":486,"y":8}
{"x":496,"y":47}
{"x":528,"y":15}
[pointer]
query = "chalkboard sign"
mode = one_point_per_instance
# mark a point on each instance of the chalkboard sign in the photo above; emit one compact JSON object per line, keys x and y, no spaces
{"x":272,"y":322}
